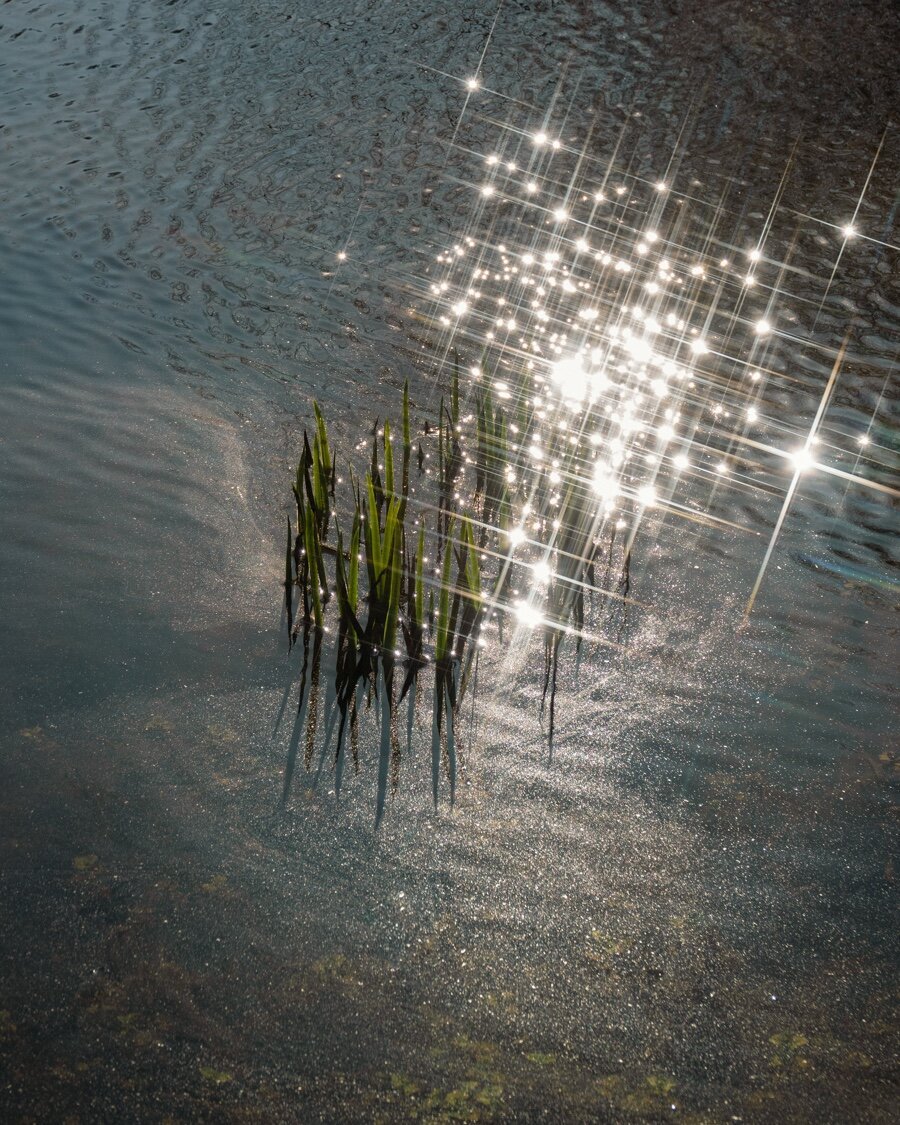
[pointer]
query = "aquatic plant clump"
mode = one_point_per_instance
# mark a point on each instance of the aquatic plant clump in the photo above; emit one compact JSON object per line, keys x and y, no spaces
{"x":408,"y":568}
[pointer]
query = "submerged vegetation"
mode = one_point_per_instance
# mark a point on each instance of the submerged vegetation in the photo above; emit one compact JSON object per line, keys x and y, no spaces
{"x":484,"y":529}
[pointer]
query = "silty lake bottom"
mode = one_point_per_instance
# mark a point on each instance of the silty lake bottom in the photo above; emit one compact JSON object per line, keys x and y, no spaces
{"x":690,"y":913}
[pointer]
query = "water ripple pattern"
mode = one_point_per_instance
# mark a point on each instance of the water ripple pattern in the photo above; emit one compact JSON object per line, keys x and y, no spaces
{"x":212,"y":213}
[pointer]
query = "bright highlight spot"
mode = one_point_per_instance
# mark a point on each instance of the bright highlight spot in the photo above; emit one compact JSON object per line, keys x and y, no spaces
{"x":571,"y":378}
{"x":605,"y":484}
{"x":802,"y":459}
{"x":528,"y":615}
{"x":646,"y":496}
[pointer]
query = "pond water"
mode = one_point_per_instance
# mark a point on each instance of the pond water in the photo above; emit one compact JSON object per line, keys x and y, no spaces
{"x":691,"y":912}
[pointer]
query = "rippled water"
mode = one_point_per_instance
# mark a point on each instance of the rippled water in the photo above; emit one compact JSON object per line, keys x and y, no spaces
{"x":694,"y":906}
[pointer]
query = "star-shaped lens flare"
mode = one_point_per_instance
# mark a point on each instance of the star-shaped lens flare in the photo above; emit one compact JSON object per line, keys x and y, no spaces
{"x":638,"y":353}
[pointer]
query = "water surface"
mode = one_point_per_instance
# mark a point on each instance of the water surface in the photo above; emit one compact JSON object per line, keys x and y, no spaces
{"x":694,"y":905}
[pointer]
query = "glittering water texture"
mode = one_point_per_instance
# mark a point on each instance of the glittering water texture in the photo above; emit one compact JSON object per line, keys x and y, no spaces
{"x":211,"y":214}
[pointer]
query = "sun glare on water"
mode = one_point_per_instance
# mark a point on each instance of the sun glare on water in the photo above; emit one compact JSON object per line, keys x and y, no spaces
{"x":634,"y":345}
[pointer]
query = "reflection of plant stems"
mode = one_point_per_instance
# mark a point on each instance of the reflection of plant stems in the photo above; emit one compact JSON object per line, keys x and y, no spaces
{"x":553,"y":694}
{"x":552,"y":641}
{"x":395,"y":754}
{"x":384,"y":590}
{"x":289,"y":582}
{"x":384,"y":757}
{"x":313,"y":704}
{"x":472,"y":728}
{"x":295,"y":737}
{"x":625,"y":584}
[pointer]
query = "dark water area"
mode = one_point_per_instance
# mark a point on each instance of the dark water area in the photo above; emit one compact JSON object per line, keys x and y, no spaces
{"x":690,"y":913}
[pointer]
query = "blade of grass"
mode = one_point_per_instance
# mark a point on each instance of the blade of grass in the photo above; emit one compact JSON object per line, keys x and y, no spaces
{"x":443,"y":627}
{"x":388,"y":460}
{"x":312,"y":563}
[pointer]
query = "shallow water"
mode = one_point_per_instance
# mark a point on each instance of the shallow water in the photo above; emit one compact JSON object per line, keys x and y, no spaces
{"x":694,"y":905}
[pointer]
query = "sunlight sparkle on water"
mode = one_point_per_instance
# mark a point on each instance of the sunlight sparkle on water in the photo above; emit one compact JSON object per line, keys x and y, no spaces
{"x":802,"y":459}
{"x":626,"y":347}
{"x":528,"y":615}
